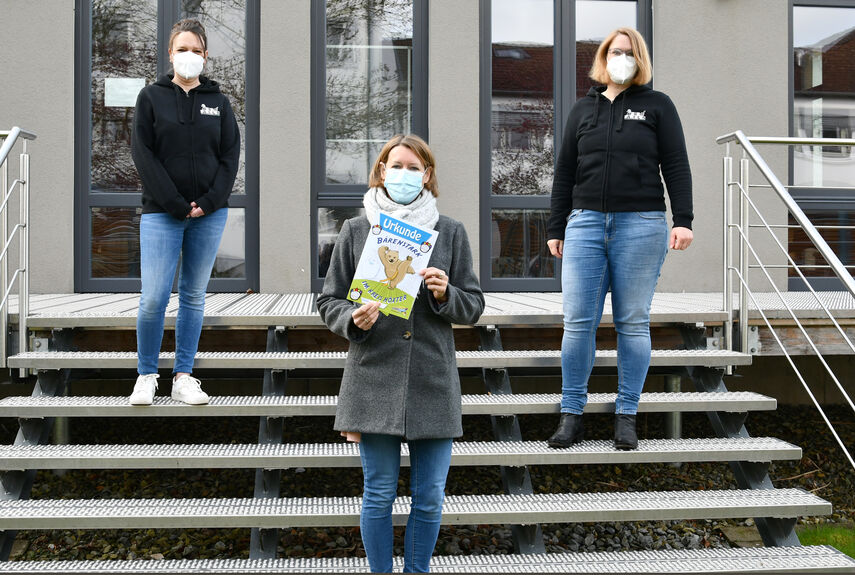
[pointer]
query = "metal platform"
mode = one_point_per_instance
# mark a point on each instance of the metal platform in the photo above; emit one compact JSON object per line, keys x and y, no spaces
{"x":457,"y":510}
{"x":822,"y":559}
{"x":291,"y":310}
{"x":324,"y":405}
{"x":336,"y":360}
{"x":284,"y":456}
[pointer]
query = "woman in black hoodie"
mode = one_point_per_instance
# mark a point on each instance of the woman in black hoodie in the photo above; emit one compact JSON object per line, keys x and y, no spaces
{"x":608,"y":224}
{"x":186,"y":148}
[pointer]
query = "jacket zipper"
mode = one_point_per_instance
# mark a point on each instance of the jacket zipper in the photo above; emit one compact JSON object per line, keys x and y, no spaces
{"x":192,"y":150}
{"x":608,"y":153}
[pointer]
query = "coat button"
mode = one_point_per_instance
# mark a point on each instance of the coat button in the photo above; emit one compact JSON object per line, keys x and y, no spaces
{"x":406,"y":335}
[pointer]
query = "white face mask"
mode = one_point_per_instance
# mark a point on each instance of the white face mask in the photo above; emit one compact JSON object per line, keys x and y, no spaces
{"x":187,"y":64}
{"x":621,"y":69}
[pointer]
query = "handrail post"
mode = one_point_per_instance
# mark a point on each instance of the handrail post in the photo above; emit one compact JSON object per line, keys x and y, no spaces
{"x":743,"y":253}
{"x":24,"y":257}
{"x":727,"y":286}
{"x":4,"y":265}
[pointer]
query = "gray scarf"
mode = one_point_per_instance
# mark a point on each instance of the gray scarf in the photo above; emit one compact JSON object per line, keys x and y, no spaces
{"x":421,"y":212}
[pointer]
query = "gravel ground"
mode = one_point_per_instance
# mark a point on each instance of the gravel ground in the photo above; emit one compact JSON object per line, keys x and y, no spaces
{"x":823,"y":470}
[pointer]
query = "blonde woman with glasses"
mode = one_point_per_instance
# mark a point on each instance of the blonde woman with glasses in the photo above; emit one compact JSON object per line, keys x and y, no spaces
{"x":608,"y":224}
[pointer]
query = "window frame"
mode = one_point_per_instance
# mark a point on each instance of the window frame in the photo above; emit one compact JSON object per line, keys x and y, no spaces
{"x":564,"y":90}
{"x":809,"y":199}
{"x":169,"y":11}
{"x":325,"y":195}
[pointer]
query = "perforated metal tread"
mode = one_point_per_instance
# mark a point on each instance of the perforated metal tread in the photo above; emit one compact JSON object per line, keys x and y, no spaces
{"x":284,"y":456}
{"x":298,"y":309}
{"x":324,"y":405}
{"x":757,"y":559}
{"x":336,"y":360}
{"x":458,"y":509}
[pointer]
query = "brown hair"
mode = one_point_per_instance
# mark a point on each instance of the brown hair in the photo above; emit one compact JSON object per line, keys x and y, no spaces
{"x":600,"y":74}
{"x":189,"y":25}
{"x":416,"y":145}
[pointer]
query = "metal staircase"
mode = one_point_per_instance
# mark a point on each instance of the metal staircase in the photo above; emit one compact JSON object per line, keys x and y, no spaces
{"x":268,"y":510}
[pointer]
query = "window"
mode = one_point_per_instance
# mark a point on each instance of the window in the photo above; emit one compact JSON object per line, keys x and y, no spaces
{"x":535,"y":59}
{"x":121,"y":48}
{"x":823,"y":106}
{"x":369,"y":82}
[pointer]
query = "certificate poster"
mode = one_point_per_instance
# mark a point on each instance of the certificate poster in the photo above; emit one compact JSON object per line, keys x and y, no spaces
{"x":388,"y":270}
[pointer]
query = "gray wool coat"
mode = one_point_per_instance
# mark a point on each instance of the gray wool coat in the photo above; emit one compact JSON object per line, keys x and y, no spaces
{"x":401,"y":376}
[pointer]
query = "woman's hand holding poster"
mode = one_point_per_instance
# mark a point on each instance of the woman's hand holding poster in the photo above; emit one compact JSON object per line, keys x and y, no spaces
{"x":388,"y":270}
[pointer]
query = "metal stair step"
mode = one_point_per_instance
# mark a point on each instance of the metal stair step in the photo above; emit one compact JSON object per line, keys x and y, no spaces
{"x":283,"y":456}
{"x":298,"y":309}
{"x":479,"y":404}
{"x":458,"y":509}
{"x":324,"y":405}
{"x":824,"y":559}
{"x":336,"y":360}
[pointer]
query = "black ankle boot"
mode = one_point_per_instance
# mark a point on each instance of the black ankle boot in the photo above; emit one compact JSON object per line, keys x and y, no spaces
{"x":569,"y":431}
{"x":625,"y":437}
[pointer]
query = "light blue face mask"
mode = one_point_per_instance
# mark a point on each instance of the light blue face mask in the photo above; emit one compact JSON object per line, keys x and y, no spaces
{"x":403,"y":186}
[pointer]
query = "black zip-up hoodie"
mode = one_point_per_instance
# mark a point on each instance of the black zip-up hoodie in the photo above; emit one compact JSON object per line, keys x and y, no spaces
{"x":186,"y":147}
{"x":611,"y":156}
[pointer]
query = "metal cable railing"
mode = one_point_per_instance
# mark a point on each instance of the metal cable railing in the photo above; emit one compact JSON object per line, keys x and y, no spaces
{"x":21,"y":231}
{"x":742,"y":227}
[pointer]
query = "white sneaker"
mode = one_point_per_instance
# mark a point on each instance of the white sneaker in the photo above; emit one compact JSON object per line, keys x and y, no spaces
{"x":188,"y":390}
{"x":144,"y":389}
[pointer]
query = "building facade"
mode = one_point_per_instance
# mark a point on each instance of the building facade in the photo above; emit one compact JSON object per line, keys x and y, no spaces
{"x":319,"y":85}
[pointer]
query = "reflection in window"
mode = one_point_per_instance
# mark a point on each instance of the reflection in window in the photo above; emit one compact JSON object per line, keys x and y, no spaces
{"x":523,"y":108}
{"x":115,"y":242}
{"x":225,"y":24}
{"x":519,"y":247}
{"x":330,"y":221}
{"x":595,"y":19}
{"x":231,"y":255}
{"x":368,"y":82}
{"x":839,"y":235}
{"x":123,"y":49}
{"x":823,"y":94}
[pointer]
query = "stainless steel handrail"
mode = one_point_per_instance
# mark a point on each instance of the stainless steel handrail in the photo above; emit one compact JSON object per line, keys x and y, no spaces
{"x":742,"y":229}
{"x":791,"y":205}
{"x":738,"y":136}
{"x":21,"y":229}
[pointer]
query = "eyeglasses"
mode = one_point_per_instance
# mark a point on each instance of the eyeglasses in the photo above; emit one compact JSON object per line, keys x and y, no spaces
{"x":618,"y":52}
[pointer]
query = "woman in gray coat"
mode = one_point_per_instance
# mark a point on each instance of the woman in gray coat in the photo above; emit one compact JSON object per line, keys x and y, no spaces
{"x":400,"y":382}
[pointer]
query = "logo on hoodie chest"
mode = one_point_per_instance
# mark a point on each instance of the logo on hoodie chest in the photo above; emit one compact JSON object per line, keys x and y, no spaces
{"x":206,"y":111}
{"x":630,"y":115}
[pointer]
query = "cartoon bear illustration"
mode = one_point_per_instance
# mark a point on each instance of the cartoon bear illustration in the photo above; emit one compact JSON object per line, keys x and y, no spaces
{"x":395,"y":269}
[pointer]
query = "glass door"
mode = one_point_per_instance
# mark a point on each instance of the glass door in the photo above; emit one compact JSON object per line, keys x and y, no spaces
{"x":121,"y":47}
{"x":823,"y":177}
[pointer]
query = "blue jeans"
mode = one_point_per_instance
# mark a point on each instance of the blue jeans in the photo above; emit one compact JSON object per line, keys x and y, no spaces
{"x":624,"y":252}
{"x":163,"y":241}
{"x":381,"y":460}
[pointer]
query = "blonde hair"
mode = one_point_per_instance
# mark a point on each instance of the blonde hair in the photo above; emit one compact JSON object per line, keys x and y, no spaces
{"x":600,"y":74}
{"x":416,"y":145}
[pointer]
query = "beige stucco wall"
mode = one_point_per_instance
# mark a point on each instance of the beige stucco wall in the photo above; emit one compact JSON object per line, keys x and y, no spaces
{"x":37,"y":94}
{"x":725,"y":65}
{"x":284,"y":179}
{"x":453,"y":93}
